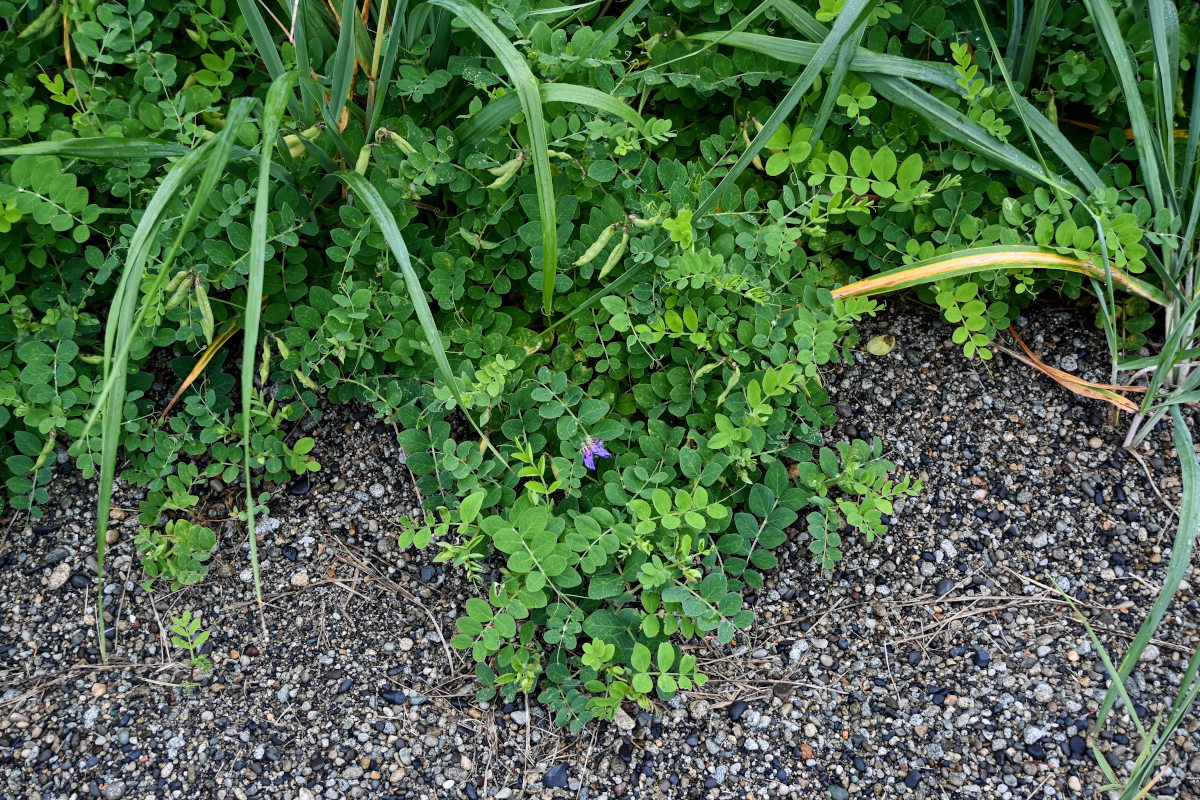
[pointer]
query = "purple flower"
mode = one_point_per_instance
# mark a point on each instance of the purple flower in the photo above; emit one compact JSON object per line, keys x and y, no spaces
{"x":591,"y":449}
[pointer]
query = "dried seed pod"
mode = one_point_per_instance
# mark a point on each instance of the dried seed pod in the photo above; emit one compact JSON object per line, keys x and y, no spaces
{"x":597,"y":245}
{"x":615,"y":255}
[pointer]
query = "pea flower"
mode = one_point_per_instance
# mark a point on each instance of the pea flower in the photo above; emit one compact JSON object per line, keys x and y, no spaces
{"x":592,"y":448}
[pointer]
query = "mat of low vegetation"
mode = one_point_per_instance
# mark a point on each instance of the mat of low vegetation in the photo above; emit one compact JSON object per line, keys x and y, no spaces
{"x":595,"y":263}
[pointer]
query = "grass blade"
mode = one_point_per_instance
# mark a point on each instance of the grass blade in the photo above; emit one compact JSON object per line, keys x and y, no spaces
{"x":264,"y":43}
{"x":1119,"y":59}
{"x":273,"y":108}
{"x":343,"y":63}
{"x":389,"y":63}
{"x":481,"y":124}
{"x":531,"y":103}
{"x":891,"y":75}
{"x":125,"y":318}
{"x":101,"y":148}
{"x":852,"y":14}
{"x":1164,"y":30}
{"x":863,"y":62}
{"x":982,"y":259}
{"x":1181,"y":555}
{"x":381,"y":215}
{"x":841,"y":68}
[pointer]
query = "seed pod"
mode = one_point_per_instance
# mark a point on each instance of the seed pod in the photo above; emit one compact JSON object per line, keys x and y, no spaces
{"x":304,"y":379}
{"x":182,"y":288}
{"x":313,"y":132}
{"x":295,"y":145}
{"x":88,"y":359}
{"x":733,"y":379}
{"x":42,"y":23}
{"x":560,"y":154}
{"x":47,"y":449}
{"x":264,"y":369}
{"x":401,"y":143}
{"x":173,"y":284}
{"x":507,"y":166}
{"x":756,"y":161}
{"x":207,"y":321}
{"x":597,"y":245}
{"x":283,"y":350}
{"x":364,"y":158}
{"x":510,"y":171}
{"x":645,"y":223}
{"x":615,"y":255}
{"x":1052,"y":112}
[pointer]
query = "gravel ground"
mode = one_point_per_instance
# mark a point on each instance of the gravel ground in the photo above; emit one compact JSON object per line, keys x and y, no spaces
{"x":938,"y":663}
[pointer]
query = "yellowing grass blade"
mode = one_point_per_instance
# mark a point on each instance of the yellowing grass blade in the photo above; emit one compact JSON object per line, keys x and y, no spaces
{"x":1096,"y":391}
{"x":981,"y":259}
{"x":200,"y":366}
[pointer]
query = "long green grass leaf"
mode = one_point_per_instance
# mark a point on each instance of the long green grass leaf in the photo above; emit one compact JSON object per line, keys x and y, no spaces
{"x":264,"y":44}
{"x":343,"y":62}
{"x":389,"y":63}
{"x":852,"y":14}
{"x":483,"y":122}
{"x":1122,"y":62}
{"x":1181,"y":556}
{"x":385,"y":221}
{"x":125,"y":319}
{"x":893,"y":72}
{"x":100,"y":148}
{"x":531,"y":103}
{"x":833,"y":86}
{"x":273,"y":108}
{"x":1164,"y":32}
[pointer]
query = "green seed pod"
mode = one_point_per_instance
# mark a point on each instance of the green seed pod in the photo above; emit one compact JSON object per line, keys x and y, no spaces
{"x":47,"y":448}
{"x":182,"y":289}
{"x":560,"y":154}
{"x":512,"y":167}
{"x":615,"y":255}
{"x":295,"y":145}
{"x":207,"y":321}
{"x":283,"y":350}
{"x":264,"y":369}
{"x":402,"y":143}
{"x":597,"y":245}
{"x":645,"y":223}
{"x":173,"y":284}
{"x":42,"y":24}
{"x":506,"y":167}
{"x":304,"y":379}
{"x":364,"y":158}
